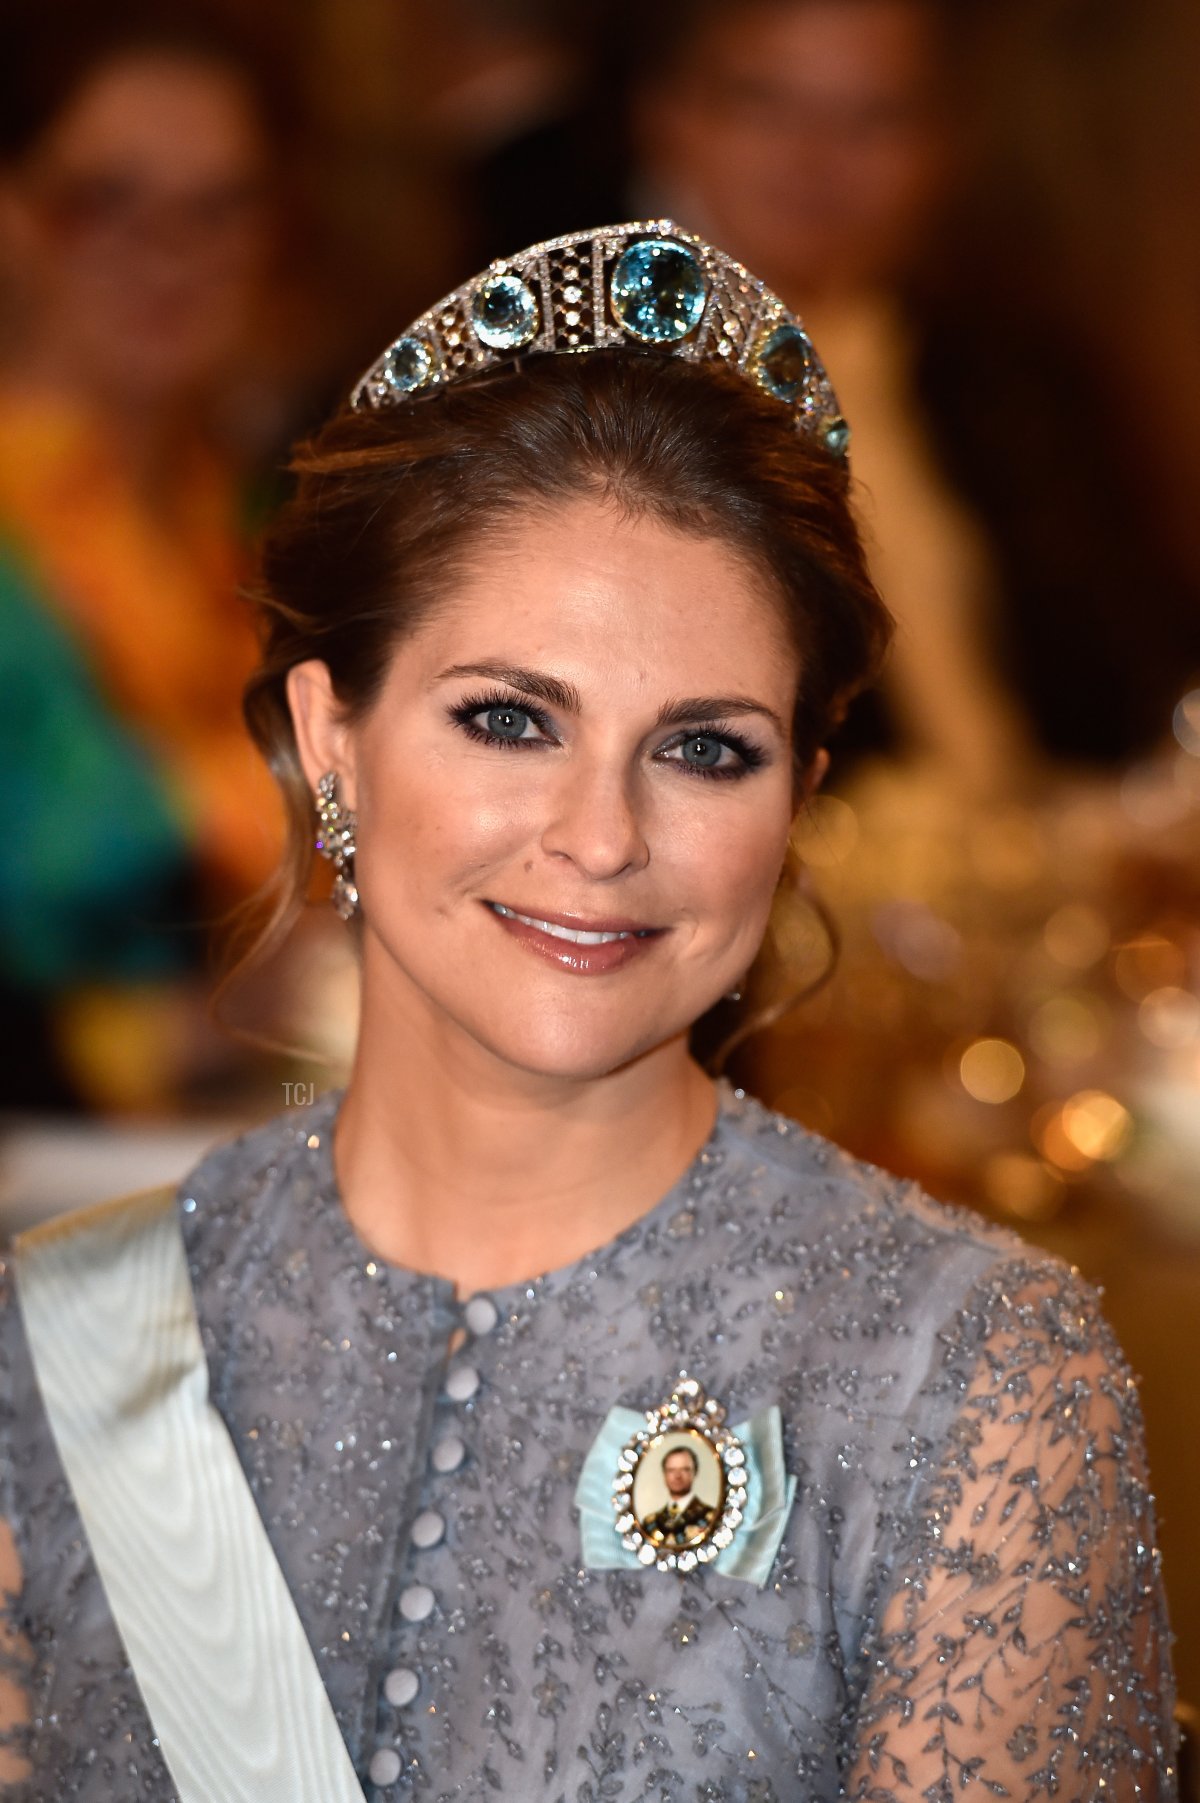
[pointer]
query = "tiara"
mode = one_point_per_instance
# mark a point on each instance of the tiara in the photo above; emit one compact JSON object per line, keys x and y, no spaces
{"x":650,"y":284}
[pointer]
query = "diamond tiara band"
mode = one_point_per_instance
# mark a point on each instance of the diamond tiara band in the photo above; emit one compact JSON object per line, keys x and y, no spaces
{"x":650,"y":284}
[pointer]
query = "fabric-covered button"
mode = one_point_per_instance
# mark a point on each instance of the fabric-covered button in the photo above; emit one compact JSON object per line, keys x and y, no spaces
{"x":448,"y":1453}
{"x":462,"y":1383}
{"x":481,"y":1314}
{"x":401,"y":1686}
{"x":416,"y":1602}
{"x":427,"y":1529}
{"x":384,"y":1767}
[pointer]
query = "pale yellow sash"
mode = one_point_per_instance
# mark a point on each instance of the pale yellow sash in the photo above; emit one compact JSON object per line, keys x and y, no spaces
{"x":208,"y":1624}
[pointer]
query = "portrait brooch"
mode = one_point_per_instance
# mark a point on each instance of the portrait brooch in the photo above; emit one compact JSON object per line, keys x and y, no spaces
{"x":677,"y":1488}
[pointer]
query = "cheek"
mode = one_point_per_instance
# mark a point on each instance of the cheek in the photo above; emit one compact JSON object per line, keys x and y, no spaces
{"x":734,"y":858}
{"x":425,"y":820}
{"x":727,"y":886}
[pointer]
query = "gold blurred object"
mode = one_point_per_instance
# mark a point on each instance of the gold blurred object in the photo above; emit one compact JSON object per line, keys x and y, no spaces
{"x":1096,"y":1124}
{"x":1023,"y":1185}
{"x":1068,"y":1029}
{"x":1076,"y":935}
{"x":1170,"y":1017}
{"x":992,"y":1070}
{"x":1016,"y":1017}
{"x":1148,"y":962}
{"x":126,"y":1049}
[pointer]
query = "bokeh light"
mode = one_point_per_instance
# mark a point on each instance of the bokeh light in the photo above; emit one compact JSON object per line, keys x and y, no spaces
{"x":1068,"y":1029}
{"x":992,"y":1070}
{"x":1076,"y":935}
{"x":1170,"y":1017}
{"x":1096,"y":1125}
{"x":1186,"y":723}
{"x":1148,"y":962}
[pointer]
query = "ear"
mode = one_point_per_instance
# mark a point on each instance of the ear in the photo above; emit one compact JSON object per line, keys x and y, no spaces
{"x":323,"y":739}
{"x":814,"y":776}
{"x":811,"y":779}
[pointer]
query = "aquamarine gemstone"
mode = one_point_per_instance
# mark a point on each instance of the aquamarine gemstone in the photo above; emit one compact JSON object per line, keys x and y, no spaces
{"x":658,"y":291}
{"x":505,"y":312}
{"x":783,"y":361}
{"x":834,"y":434}
{"x":407,"y":365}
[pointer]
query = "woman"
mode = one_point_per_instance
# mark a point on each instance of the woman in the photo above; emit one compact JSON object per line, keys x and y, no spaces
{"x":563,"y":612}
{"x":135,"y":227}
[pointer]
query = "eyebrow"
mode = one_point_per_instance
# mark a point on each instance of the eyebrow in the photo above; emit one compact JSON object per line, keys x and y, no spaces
{"x":716,"y":707}
{"x":565,"y":696}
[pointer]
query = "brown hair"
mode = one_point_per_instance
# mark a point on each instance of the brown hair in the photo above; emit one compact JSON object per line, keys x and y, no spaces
{"x":391,"y":502}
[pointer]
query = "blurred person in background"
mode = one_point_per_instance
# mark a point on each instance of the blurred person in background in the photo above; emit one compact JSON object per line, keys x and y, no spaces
{"x":135,"y":236}
{"x":813,"y":137}
{"x":1060,"y":325}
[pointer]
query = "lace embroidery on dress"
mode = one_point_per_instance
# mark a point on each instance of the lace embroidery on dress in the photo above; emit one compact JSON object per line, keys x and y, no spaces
{"x":967,"y":1598}
{"x":1022,"y":1649}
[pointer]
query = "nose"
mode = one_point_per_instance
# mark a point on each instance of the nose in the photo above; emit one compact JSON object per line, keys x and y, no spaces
{"x":595,"y":820}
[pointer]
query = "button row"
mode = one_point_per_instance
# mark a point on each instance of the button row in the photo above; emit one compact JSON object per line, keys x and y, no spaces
{"x":401,"y":1686}
{"x":480,"y":1315}
{"x":417,"y":1601}
{"x":462,"y":1383}
{"x":427,"y":1530}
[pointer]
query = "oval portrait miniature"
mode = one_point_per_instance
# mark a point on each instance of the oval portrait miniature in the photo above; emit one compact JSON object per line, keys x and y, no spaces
{"x":681,"y":1484}
{"x":678,"y":1490}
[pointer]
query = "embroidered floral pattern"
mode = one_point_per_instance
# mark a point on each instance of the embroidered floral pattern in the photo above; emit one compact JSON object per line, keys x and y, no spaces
{"x":966,"y":1595}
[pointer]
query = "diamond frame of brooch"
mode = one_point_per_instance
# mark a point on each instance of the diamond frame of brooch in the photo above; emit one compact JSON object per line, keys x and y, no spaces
{"x":570,"y":281}
{"x":687,"y":1409}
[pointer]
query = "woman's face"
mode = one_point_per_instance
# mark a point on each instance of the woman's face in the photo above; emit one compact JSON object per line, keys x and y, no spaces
{"x":138,"y":226}
{"x":574,"y":792}
{"x":808,"y":135}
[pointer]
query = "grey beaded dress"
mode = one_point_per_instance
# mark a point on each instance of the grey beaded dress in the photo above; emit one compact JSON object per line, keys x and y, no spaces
{"x":967,"y":1596}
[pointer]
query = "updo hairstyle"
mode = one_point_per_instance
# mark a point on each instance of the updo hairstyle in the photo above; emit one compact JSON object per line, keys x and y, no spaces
{"x":391,"y":503}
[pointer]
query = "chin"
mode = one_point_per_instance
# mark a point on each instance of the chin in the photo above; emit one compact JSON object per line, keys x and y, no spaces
{"x":567,"y":1051}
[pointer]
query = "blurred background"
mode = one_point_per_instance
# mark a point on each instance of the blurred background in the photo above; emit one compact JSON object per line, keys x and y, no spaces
{"x":212,"y":217}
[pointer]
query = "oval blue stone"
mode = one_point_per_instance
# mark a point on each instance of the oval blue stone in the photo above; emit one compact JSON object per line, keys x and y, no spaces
{"x":783,"y":361}
{"x":407,"y":365}
{"x":658,"y":291}
{"x":504,"y":312}
{"x":834,"y":434}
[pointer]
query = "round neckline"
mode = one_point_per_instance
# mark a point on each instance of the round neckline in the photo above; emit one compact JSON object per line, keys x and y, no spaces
{"x":730,"y":1103}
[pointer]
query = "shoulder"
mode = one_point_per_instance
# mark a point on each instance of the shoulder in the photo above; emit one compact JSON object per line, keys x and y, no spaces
{"x":889,"y":1253}
{"x":815,"y":1187}
{"x":281,"y":1144}
{"x":284,"y":1161}
{"x":251,"y":1198}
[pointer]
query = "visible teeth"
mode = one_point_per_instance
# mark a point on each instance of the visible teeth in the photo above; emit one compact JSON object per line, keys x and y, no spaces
{"x":557,"y":932}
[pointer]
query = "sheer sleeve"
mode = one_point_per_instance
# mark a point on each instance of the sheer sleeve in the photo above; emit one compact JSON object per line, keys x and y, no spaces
{"x":1021,"y":1648}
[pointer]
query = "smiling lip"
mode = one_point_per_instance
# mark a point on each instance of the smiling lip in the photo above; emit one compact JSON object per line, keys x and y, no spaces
{"x":587,"y":947}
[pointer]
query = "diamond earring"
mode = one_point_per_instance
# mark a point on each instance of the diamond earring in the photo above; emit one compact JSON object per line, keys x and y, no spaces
{"x":336,"y":829}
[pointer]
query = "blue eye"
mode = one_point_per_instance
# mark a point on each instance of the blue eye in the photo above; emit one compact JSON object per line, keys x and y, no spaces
{"x":707,"y":752}
{"x":493,"y":720}
{"x":701,"y":751}
{"x":507,"y":722}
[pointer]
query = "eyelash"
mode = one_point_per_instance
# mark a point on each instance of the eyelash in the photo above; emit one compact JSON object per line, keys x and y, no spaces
{"x":465,"y":712}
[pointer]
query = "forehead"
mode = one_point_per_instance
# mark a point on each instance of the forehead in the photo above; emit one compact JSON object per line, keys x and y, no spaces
{"x":609,"y":601}
{"x":170,"y":114}
{"x":843,"y":48}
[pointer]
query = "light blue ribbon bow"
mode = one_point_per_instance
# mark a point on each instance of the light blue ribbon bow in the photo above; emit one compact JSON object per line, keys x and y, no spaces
{"x":751,"y":1553}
